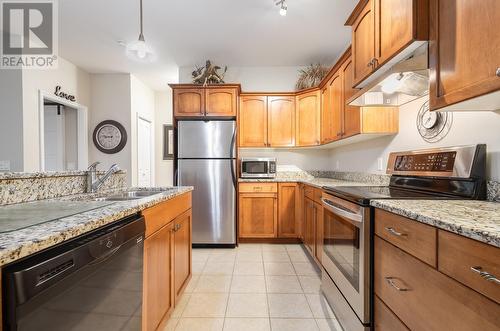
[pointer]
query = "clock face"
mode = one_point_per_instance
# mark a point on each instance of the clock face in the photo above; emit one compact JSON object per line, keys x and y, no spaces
{"x":433,"y":126}
{"x":429,"y":119}
{"x":110,"y":137}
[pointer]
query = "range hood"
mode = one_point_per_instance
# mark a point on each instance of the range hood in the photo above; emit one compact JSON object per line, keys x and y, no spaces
{"x":405,"y":81}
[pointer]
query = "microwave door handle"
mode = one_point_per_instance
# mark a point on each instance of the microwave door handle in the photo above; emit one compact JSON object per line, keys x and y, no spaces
{"x":358,"y":218}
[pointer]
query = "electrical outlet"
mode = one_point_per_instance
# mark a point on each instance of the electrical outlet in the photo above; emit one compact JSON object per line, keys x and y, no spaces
{"x":380,"y":164}
{"x":337,"y":165}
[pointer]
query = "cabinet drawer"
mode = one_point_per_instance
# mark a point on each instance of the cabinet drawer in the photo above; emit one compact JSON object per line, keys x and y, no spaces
{"x":385,"y":319}
{"x":415,"y":238}
{"x":425,"y":299}
{"x":158,"y":216}
{"x":258,"y":187}
{"x":309,"y":192}
{"x":458,"y":255}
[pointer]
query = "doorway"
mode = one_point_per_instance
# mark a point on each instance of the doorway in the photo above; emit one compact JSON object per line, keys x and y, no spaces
{"x":144,"y":152}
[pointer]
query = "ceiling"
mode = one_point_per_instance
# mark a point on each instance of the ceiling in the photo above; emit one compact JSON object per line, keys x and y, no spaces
{"x":187,"y":32}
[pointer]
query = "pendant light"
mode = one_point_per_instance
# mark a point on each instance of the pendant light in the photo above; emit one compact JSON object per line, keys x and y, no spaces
{"x":283,"y":6}
{"x":139,"y":50}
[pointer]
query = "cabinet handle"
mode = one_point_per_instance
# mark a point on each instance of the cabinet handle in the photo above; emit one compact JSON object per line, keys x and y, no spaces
{"x":375,"y":62}
{"x":370,"y":64}
{"x":390,"y":281}
{"x":486,"y":275}
{"x":498,"y":72}
{"x":394,"y":232}
{"x":176,"y":228}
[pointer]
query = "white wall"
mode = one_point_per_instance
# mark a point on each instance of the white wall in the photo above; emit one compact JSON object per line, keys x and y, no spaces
{"x":255,"y":79}
{"x":142,"y":100}
{"x":11,"y":119}
{"x":468,"y":128}
{"x":72,"y":79}
{"x":111,"y":101}
{"x":163,"y":115}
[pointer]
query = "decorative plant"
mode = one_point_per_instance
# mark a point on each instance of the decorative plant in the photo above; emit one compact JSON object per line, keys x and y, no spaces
{"x":311,"y":76}
{"x":208,"y":74}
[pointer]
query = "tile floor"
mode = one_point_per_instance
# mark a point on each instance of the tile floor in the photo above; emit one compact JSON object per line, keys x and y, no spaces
{"x":255,"y":287}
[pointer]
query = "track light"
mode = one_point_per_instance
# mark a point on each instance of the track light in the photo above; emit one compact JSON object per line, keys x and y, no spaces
{"x":283,"y":7}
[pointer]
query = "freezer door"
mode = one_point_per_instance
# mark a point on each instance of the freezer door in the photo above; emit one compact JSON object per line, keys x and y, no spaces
{"x":206,"y":139}
{"x":214,"y":199}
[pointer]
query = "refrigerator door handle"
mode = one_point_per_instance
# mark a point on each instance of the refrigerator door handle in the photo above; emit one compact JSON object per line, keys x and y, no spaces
{"x":231,"y":156}
{"x":176,"y":177}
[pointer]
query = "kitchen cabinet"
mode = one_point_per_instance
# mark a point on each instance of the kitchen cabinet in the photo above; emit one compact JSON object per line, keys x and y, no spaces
{"x":313,"y":222}
{"x":351,"y":114}
{"x":205,"y":101}
{"x":182,"y":252}
{"x":158,"y":295}
{"x":318,"y":224}
{"x":253,"y":121}
{"x":464,"y":54}
{"x":383,"y":30}
{"x":281,"y":121}
{"x":167,"y":259}
{"x":258,"y":212}
{"x":288,"y":210}
{"x":308,"y":114}
{"x":327,"y":131}
{"x":336,"y":106}
{"x":412,"y":292}
{"x":309,"y":226}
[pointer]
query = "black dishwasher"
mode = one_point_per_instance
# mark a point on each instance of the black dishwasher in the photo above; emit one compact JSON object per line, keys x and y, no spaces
{"x":92,"y":282}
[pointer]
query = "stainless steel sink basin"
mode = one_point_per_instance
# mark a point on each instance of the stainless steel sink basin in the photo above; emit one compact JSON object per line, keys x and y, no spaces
{"x":131,"y":195}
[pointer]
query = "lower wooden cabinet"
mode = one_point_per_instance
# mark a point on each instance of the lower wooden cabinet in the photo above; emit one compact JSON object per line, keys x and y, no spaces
{"x":384,"y":318}
{"x":288,"y":210}
{"x":158,"y":298}
{"x":309,"y":226}
{"x":167,"y":259}
{"x":258,"y":215}
{"x":318,"y":244}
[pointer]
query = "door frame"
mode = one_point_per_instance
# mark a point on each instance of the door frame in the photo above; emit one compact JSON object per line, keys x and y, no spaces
{"x":141,"y":117}
{"x":82,"y":128}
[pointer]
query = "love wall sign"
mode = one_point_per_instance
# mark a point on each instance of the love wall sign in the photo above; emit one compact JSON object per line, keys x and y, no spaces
{"x":64,"y":95}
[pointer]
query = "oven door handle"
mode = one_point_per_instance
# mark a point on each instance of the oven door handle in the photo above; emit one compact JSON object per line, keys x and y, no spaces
{"x":342,"y":212}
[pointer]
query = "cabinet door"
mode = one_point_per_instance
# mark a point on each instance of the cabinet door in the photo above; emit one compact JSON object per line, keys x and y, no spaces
{"x":393,"y":26}
{"x":220,"y":102}
{"x":281,"y":121}
{"x":327,"y":133}
{"x":352,"y":123}
{"x":253,"y":121}
{"x":337,"y":105}
{"x":182,"y":252}
{"x":363,"y":43}
{"x":318,"y":240}
{"x":258,"y":215}
{"x":309,"y":226}
{"x":158,"y":297}
{"x":464,"y":50}
{"x":189,"y":102}
{"x":288,"y":226}
{"x":308,"y":119}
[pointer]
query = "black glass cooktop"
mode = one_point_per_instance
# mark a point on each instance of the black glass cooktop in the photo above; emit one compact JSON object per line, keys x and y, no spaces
{"x":363,"y":194}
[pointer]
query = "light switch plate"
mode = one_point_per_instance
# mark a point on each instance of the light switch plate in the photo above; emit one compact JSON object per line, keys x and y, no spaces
{"x":4,"y":165}
{"x":380,"y":164}
{"x":337,"y":165}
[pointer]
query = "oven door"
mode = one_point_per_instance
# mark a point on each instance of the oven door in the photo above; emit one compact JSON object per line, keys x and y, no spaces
{"x":255,"y":168}
{"x":346,"y":251}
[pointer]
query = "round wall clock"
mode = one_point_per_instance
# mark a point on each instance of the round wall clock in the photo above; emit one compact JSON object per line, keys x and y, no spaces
{"x":110,"y":137}
{"x":433,"y":126}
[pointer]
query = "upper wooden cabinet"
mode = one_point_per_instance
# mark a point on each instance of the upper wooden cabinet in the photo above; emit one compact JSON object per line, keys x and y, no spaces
{"x":198,"y":101}
{"x":351,"y":114}
{"x":336,"y":106}
{"x":281,"y":121}
{"x":253,"y":121}
{"x":464,"y":54}
{"x":384,"y":29}
{"x":308,"y":118}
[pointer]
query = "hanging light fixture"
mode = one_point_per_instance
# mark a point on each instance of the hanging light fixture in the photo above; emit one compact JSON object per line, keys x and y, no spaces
{"x":139,"y":50}
{"x":283,"y":7}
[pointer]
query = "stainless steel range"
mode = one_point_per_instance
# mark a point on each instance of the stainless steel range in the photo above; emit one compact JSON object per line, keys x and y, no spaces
{"x":442,"y":173}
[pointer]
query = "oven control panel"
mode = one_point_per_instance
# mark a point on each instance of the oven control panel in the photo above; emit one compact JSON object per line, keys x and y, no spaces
{"x":430,"y":162}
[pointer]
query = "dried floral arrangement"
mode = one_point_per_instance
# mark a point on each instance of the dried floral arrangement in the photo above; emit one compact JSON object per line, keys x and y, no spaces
{"x":311,"y":76}
{"x":209,"y":74}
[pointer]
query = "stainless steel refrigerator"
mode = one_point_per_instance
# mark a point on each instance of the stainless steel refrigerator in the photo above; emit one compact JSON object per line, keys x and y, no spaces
{"x":206,"y":159}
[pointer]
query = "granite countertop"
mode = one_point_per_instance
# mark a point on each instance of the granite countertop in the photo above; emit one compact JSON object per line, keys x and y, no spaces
{"x":45,"y":174}
{"x":316,"y":182}
{"x":23,"y":242}
{"x":479,"y":220}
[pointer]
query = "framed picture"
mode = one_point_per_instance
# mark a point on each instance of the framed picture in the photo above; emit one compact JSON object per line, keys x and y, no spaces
{"x":168,"y":142}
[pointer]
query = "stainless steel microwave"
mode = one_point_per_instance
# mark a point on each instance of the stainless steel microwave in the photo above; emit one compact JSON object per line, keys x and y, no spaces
{"x":258,"y":167}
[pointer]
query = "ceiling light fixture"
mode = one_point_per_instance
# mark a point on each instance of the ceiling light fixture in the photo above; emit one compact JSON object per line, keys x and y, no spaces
{"x":138,"y":49}
{"x":283,"y":6}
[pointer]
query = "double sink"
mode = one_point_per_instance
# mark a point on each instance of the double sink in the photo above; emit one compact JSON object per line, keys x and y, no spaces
{"x":130,"y":195}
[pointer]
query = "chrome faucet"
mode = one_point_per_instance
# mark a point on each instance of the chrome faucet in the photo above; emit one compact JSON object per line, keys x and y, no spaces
{"x":93,"y":181}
